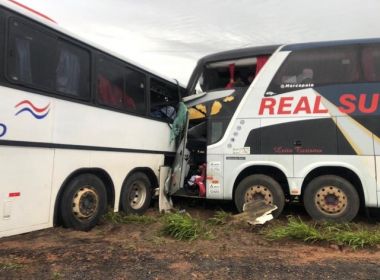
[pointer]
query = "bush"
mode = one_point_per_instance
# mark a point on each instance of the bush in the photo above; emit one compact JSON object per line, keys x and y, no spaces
{"x":352,"y":235}
{"x":184,"y":227}
{"x":296,"y":229}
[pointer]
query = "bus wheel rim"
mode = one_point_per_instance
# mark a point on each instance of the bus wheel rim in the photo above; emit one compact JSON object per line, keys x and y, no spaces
{"x":258,"y":192}
{"x":137,"y":196}
{"x":85,"y":203}
{"x":331,"y":200}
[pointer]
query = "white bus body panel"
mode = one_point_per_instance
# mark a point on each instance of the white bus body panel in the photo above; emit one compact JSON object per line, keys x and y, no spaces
{"x":38,"y":173}
{"x":26,"y":172}
{"x":77,"y":124}
{"x":233,"y":167}
{"x":25,"y":182}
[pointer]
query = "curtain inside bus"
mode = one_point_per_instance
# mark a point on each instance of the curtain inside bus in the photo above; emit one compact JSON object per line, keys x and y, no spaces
{"x":23,"y":60}
{"x":68,"y":73}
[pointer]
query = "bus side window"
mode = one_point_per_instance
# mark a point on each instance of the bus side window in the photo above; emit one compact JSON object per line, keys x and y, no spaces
{"x":134,"y":96}
{"x":316,"y":67}
{"x":73,"y":70}
{"x":41,"y":61}
{"x":371,"y":63}
{"x":163,"y":100}
{"x":31,"y":56}
{"x":110,"y":83}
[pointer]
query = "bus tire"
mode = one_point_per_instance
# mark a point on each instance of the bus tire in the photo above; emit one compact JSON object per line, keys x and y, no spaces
{"x":83,"y":202}
{"x":260,"y":186}
{"x":331,"y":198}
{"x":136,"y":194}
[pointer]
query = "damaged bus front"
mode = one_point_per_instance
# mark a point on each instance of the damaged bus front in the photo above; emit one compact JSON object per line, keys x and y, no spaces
{"x":296,"y":122}
{"x":215,"y":90}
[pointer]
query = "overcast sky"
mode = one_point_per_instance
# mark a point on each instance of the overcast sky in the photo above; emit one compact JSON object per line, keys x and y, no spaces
{"x":169,"y":36}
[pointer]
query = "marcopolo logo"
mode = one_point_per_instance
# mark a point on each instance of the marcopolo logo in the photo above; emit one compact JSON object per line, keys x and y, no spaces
{"x":3,"y":129}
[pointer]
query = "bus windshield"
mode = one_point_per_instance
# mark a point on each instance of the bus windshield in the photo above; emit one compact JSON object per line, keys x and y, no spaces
{"x":227,"y":74}
{"x":228,"y":69}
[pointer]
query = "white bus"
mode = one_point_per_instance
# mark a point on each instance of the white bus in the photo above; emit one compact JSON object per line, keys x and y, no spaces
{"x":281,"y":123}
{"x":80,"y":129}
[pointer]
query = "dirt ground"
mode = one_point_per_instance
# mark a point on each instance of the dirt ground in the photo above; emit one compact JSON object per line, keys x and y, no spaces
{"x":130,"y":251}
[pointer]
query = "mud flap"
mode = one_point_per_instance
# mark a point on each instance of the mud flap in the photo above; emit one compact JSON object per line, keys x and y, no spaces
{"x":165,"y":203}
{"x":256,"y":212}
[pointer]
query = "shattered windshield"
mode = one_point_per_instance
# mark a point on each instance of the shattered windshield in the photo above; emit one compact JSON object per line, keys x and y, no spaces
{"x":229,"y":74}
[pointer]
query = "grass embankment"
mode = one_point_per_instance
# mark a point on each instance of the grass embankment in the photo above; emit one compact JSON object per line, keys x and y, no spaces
{"x":349,"y":234}
{"x":180,"y":226}
{"x":120,"y":218}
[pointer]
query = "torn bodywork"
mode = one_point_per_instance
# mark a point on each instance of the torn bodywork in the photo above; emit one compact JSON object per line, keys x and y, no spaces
{"x":165,"y":203}
{"x":256,"y":212}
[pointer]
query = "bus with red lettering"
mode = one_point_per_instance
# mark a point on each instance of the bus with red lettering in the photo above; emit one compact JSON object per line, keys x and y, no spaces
{"x":283,"y":123}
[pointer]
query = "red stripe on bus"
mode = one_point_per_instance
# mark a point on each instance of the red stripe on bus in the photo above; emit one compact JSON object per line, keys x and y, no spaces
{"x":32,"y":10}
{"x":14,"y":194}
{"x":38,"y":110}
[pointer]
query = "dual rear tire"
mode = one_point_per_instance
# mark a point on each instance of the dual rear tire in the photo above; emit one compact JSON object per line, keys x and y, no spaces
{"x":260,"y":187}
{"x":83,"y":202}
{"x":326,"y":198}
{"x":136,"y":194}
{"x":84,"y":199}
{"x":331,"y":198}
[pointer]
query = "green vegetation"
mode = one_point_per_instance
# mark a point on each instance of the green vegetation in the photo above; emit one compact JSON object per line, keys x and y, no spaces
{"x":56,"y":276}
{"x":184,"y":227}
{"x":295,"y":229}
{"x":120,"y":218}
{"x":220,"y":218}
{"x":10,"y":266}
{"x":353,"y":235}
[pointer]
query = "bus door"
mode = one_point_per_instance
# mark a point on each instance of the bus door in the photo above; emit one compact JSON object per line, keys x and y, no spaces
{"x":180,"y":162}
{"x":184,"y":159}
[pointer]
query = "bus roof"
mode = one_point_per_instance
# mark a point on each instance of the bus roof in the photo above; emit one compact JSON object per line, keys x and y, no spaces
{"x":238,"y":53}
{"x":312,"y":45}
{"x":35,"y":15}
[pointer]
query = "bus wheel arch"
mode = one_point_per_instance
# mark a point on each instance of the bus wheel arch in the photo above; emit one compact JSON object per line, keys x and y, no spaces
{"x":274,"y":178}
{"x":344,"y":178}
{"x":98,"y":172}
{"x":137,"y":191}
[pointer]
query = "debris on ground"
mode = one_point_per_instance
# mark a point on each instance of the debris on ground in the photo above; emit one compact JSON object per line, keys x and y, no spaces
{"x":256,"y":212}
